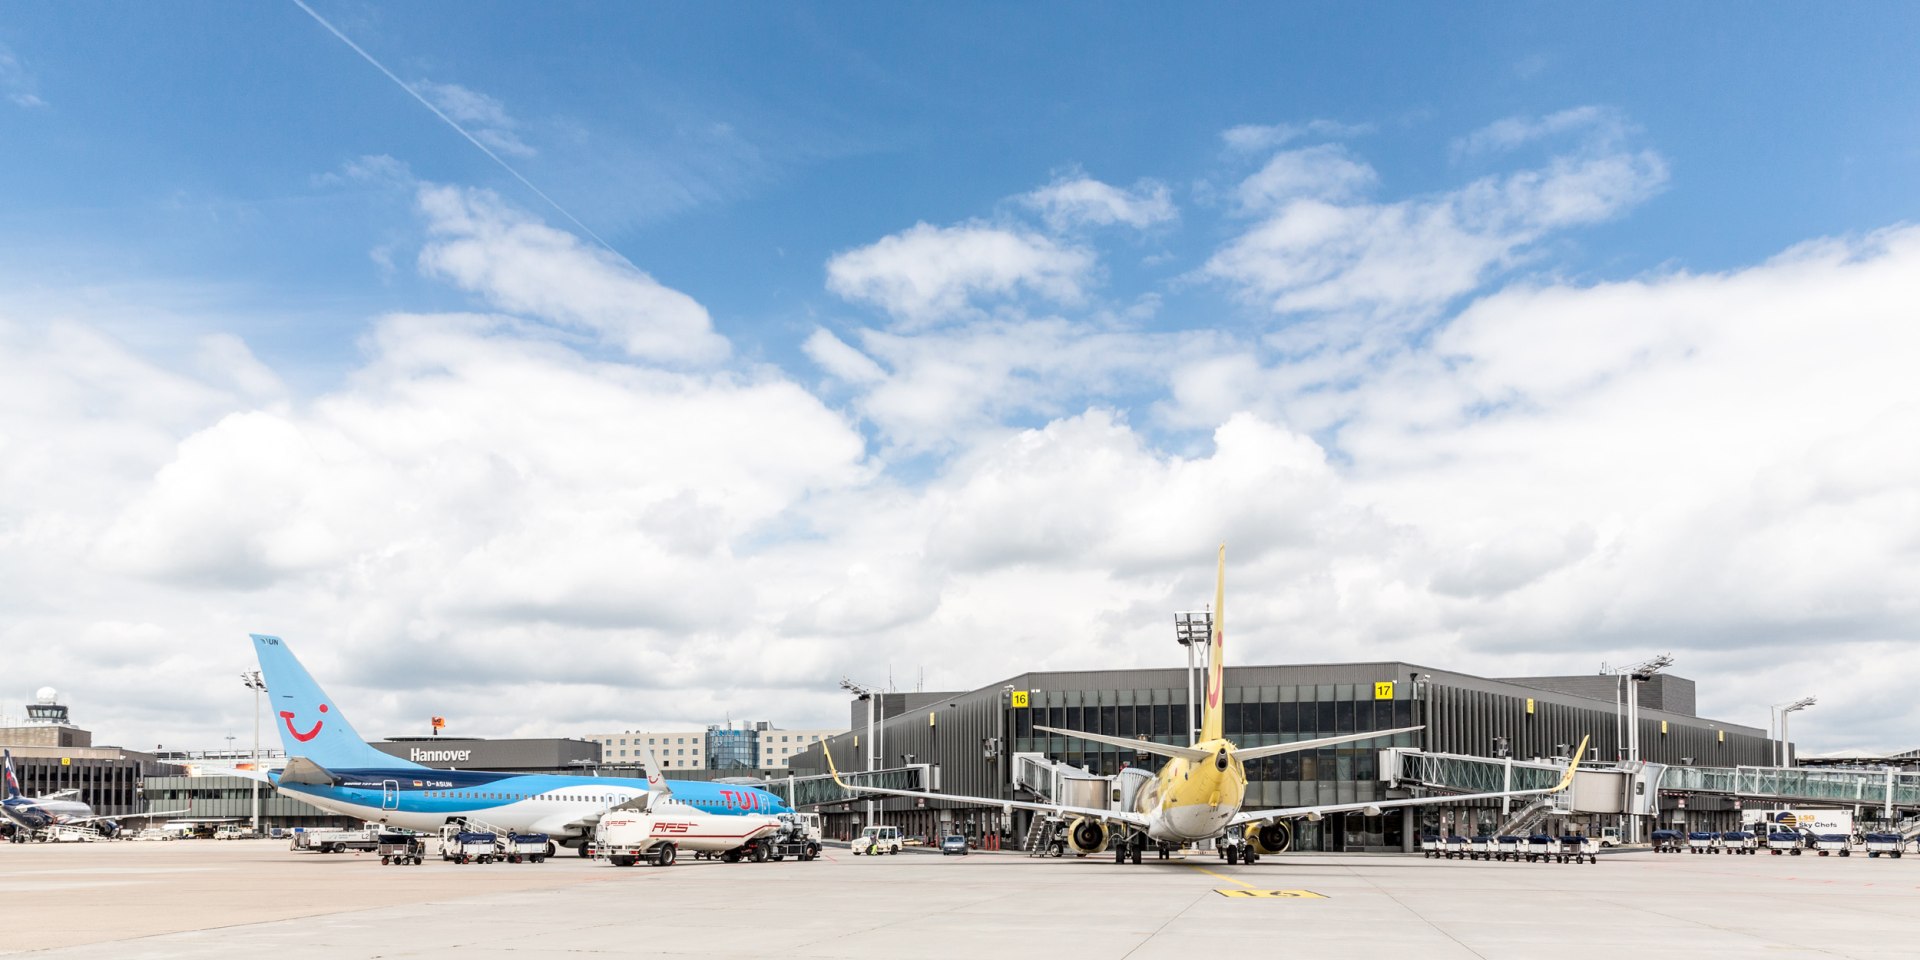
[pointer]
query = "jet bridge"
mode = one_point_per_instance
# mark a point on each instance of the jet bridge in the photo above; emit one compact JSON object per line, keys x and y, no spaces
{"x":797,"y":792}
{"x":1635,"y":788}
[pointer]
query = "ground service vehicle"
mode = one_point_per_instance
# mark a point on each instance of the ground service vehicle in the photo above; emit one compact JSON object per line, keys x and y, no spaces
{"x":874,"y":841}
{"x":798,"y":837}
{"x":953,"y":844}
{"x":625,"y":839}
{"x":365,"y":839}
{"x":402,"y":848}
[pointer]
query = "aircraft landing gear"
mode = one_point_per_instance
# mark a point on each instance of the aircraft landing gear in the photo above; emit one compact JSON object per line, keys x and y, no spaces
{"x":1166,"y":852}
{"x":1233,"y":855}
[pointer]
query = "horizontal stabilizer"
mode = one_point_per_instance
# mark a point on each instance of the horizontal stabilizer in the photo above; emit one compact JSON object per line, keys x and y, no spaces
{"x":302,"y":770}
{"x":1129,"y":743}
{"x":1276,"y":749}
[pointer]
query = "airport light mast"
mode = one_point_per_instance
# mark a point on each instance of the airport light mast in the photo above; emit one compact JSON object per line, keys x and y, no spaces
{"x":872,"y":696}
{"x":258,"y":685}
{"x":1191,"y":629}
{"x":1784,"y":750}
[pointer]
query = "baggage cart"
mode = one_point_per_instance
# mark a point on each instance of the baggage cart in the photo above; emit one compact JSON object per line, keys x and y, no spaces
{"x":1510,"y":848}
{"x":1887,"y":843}
{"x":1480,"y":848}
{"x":1542,"y":848}
{"x":1575,"y":848}
{"x":1456,"y":848}
{"x":1838,"y":843}
{"x":522,"y":847}
{"x":1781,"y":841}
{"x":470,"y":846}
{"x":1701,"y":841}
{"x":399,"y":849}
{"x":1666,"y":841}
{"x":1740,"y":842}
{"x":1432,"y":846}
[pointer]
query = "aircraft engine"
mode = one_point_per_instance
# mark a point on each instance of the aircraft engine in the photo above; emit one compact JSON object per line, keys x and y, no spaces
{"x":1270,"y":839}
{"x":1087,"y":836}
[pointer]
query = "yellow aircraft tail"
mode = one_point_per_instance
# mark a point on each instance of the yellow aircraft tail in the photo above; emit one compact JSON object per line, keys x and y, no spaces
{"x":1213,"y":712}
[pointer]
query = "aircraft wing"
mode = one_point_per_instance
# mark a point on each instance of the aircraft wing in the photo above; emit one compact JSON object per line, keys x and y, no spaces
{"x":1131,"y":743}
{"x":1275,"y":749}
{"x":1127,"y":818}
{"x":124,"y":816}
{"x":1289,"y":813}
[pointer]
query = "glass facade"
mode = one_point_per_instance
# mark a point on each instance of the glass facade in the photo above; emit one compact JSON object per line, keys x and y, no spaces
{"x":732,"y":749}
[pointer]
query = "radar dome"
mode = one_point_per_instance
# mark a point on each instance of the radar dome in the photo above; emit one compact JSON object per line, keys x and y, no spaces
{"x":47,"y":695}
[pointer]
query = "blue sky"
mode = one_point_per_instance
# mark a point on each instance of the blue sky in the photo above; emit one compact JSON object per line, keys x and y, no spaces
{"x":1504,"y":338}
{"x":712,"y":146}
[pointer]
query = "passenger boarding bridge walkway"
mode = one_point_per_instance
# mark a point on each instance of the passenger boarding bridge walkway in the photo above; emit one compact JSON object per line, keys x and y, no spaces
{"x":1635,"y":788}
{"x":796,"y":792}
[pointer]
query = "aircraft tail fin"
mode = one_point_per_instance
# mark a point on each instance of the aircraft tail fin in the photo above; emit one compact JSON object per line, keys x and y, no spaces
{"x":13,"y":780}
{"x":1213,"y":712}
{"x":311,"y":726}
{"x":657,"y":788}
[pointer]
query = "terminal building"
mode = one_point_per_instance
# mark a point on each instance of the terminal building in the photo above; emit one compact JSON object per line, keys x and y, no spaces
{"x":968,"y":739}
{"x":51,"y":754}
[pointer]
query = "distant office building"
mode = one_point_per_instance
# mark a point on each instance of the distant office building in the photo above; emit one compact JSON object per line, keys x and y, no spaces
{"x":678,"y":750}
{"x":778,"y":747}
{"x":747,"y":749}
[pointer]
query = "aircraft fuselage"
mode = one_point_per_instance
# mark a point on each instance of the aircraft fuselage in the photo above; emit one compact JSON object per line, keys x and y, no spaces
{"x":1192,"y":800}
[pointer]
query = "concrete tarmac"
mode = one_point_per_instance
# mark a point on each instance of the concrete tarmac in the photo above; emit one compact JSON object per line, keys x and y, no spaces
{"x":256,"y":898}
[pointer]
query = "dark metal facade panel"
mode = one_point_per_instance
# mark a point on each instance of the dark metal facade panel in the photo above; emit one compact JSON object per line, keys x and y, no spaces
{"x":1462,"y":714}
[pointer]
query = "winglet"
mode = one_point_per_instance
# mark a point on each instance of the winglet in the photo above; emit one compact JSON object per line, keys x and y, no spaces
{"x":1573,"y":766}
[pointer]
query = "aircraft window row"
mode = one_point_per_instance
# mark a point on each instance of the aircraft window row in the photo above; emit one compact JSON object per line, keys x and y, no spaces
{"x":492,"y":795}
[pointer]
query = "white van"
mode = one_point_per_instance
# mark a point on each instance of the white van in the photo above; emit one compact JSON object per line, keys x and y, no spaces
{"x":874,"y":841}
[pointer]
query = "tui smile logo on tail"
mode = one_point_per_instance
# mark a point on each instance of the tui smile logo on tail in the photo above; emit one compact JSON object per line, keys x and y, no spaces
{"x":287,"y":717}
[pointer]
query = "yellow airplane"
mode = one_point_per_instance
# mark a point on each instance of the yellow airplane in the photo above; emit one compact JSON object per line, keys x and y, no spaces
{"x":1198,"y":793}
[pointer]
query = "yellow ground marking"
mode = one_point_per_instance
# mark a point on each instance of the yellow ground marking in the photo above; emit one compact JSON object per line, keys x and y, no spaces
{"x":1261,"y":894}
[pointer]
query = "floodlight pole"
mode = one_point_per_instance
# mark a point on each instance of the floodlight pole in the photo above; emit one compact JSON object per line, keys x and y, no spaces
{"x":1185,"y":632}
{"x":1786,"y":745}
{"x":869,"y":694}
{"x":258,"y":685}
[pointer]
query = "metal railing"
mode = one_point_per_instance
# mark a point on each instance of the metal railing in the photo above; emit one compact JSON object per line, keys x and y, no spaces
{"x":1465,"y":774}
{"x":797,"y":792}
{"x":1881,"y":787}
{"x":1456,"y":773}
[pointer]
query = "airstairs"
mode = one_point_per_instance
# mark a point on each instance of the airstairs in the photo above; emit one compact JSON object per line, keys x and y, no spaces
{"x":1050,"y":781}
{"x":1523,"y":822}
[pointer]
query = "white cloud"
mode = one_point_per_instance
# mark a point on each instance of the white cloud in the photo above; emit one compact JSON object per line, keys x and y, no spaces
{"x":478,"y":114}
{"x":1553,"y":475}
{"x":925,"y":274}
{"x":1326,"y":172}
{"x":1257,"y":138}
{"x":939,"y":390}
{"x":17,"y":83}
{"x":1319,"y":251}
{"x":522,"y":265}
{"x":1075,"y":201}
{"x":1600,"y":127}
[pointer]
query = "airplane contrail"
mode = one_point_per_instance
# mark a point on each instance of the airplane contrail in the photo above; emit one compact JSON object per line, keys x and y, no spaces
{"x":449,"y":121}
